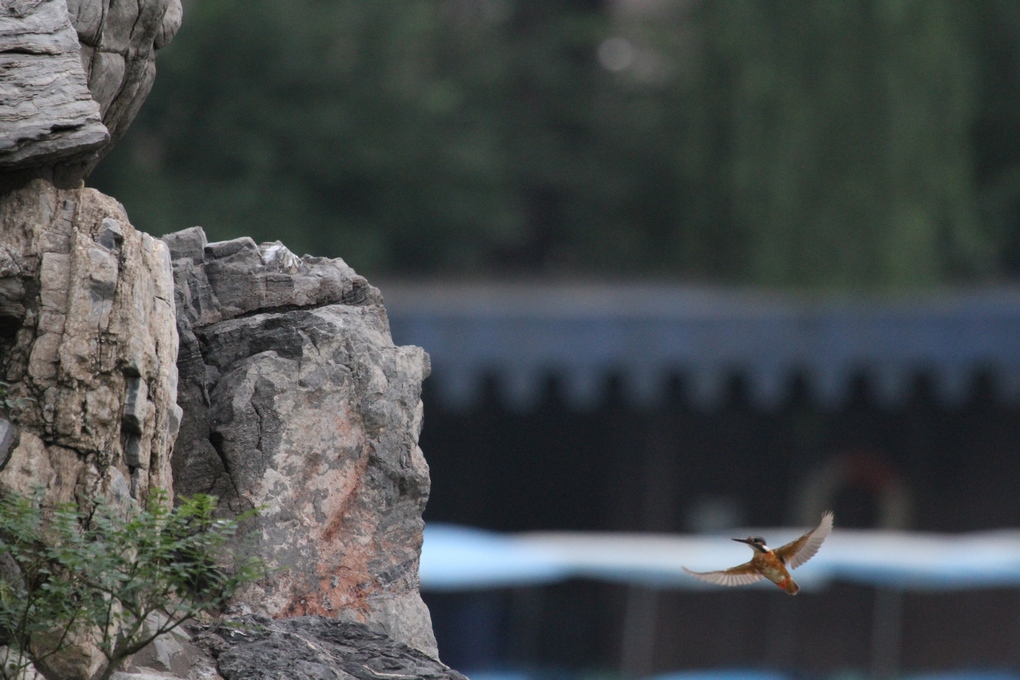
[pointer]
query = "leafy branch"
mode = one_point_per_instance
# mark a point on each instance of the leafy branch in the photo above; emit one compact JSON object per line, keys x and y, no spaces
{"x":114,"y":577}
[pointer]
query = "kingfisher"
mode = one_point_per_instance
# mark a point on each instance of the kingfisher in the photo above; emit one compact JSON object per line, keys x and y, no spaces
{"x":769,"y":563}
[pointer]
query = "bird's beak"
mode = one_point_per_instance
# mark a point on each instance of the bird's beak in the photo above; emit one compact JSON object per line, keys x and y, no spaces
{"x":742,"y":540}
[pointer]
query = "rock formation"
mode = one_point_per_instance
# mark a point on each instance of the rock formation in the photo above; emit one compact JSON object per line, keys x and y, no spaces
{"x":296,"y":401}
{"x":73,"y":74}
{"x":250,"y":647}
{"x":48,"y":115}
{"x":313,"y":647}
{"x":88,"y":344}
{"x":292,"y":397}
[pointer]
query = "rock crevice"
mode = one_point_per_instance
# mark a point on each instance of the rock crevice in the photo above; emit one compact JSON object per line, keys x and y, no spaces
{"x":89,"y":346}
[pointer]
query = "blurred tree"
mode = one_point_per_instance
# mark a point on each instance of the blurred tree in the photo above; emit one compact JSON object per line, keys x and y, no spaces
{"x":834,"y":142}
{"x":359,"y":129}
{"x":997,"y":129}
{"x":803,"y":143}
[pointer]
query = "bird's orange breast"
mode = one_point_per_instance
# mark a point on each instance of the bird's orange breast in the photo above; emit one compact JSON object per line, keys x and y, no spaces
{"x":771,"y":567}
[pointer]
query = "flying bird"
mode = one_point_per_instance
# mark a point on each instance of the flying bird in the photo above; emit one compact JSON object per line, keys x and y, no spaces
{"x":769,"y":563}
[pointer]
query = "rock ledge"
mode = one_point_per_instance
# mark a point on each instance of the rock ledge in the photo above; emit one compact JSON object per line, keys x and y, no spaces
{"x":314,"y":648}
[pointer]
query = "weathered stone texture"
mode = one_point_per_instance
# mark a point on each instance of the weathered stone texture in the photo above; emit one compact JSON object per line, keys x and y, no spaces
{"x":118,"y":52}
{"x":47,"y":114}
{"x":88,"y":343}
{"x":297,"y":401}
{"x":316,"y":648}
{"x":73,"y":74}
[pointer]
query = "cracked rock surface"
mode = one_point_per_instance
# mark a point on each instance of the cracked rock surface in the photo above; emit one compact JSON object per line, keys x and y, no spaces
{"x":73,"y":74}
{"x":315,"y":648}
{"x":297,"y":401}
{"x":118,"y":53}
{"x":47,"y":115}
{"x":88,"y":346}
{"x":88,"y":343}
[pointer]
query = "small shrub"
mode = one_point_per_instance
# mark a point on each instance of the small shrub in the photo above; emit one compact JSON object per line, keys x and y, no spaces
{"x":68,"y":575}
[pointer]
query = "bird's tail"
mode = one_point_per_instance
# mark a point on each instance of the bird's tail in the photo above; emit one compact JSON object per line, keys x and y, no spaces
{"x":790,"y":586}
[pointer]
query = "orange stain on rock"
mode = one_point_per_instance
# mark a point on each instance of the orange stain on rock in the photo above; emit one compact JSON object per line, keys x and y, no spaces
{"x":344,"y":580}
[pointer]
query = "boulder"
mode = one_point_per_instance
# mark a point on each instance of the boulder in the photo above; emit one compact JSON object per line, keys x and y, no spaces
{"x":297,"y":402}
{"x":73,"y":74}
{"x":118,"y":54}
{"x":47,"y":115}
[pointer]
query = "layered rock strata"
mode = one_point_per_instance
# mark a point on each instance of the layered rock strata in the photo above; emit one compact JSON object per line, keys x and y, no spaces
{"x":49,"y":116}
{"x":88,"y":345}
{"x":73,"y":74}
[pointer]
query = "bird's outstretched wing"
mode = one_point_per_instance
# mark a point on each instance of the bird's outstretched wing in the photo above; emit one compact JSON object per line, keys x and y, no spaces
{"x":740,"y":575}
{"x":796,"y":553}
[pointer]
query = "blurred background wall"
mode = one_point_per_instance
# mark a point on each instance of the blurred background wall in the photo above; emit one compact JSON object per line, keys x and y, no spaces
{"x":645,"y":408}
{"x":819,"y":152}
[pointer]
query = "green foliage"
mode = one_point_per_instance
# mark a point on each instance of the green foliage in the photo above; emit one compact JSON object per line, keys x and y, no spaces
{"x":69,"y":575}
{"x":340,"y":132}
{"x":866,"y":143}
{"x":848,"y":159}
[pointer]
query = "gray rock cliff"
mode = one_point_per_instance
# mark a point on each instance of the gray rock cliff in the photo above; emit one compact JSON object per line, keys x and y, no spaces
{"x":228,"y":368}
{"x":296,"y":401}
